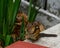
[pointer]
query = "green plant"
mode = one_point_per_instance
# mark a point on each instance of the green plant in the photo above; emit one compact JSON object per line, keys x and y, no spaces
{"x":8,"y":12}
{"x":22,"y":30}
{"x":32,"y":12}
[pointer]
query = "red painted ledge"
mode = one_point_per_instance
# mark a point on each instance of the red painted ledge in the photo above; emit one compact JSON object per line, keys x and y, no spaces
{"x":21,"y":44}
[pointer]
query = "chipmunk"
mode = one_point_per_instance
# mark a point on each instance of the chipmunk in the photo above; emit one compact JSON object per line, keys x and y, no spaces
{"x":32,"y":29}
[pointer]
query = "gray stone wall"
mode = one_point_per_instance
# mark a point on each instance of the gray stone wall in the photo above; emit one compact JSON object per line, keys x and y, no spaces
{"x":53,"y":6}
{"x":46,"y":20}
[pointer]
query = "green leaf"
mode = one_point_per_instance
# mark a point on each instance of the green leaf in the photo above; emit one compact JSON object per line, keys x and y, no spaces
{"x":12,"y":12}
{"x":35,"y":12}
{"x":1,"y":37}
{"x":32,"y":13}
{"x":5,"y":29}
{"x":29,"y":11}
{"x":1,"y":15}
{"x":5,"y":18}
{"x":8,"y":40}
{"x":22,"y":30}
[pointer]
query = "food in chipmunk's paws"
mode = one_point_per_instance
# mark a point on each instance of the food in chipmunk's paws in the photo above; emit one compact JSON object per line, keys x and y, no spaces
{"x":19,"y":18}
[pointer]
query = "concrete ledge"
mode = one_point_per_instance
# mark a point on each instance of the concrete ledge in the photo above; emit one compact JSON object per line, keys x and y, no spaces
{"x":52,"y":42}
